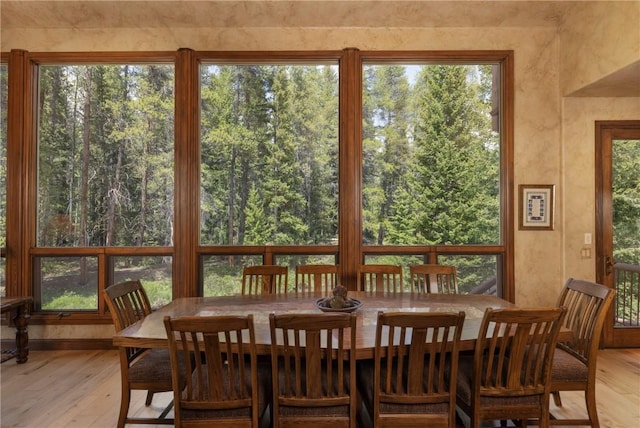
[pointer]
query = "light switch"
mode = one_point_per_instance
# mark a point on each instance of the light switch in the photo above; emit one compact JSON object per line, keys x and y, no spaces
{"x":587,"y":239}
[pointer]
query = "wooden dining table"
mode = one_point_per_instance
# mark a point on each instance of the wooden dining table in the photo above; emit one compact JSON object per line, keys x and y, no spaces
{"x":150,"y":331}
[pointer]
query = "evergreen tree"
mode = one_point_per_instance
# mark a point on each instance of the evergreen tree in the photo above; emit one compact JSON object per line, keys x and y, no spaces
{"x":449,"y":158}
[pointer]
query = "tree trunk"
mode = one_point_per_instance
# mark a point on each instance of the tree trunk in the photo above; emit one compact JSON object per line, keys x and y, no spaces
{"x":114,"y":200}
{"x":231,"y":197}
{"x":84,"y":179}
{"x":143,"y":195}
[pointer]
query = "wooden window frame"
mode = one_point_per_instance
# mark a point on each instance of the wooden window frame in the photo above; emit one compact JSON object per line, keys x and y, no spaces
{"x":187,"y":252}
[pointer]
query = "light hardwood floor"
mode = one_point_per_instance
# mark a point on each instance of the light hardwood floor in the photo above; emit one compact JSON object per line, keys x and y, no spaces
{"x":69,"y":389}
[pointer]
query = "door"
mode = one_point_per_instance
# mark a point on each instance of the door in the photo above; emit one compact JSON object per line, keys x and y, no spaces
{"x":618,"y":227}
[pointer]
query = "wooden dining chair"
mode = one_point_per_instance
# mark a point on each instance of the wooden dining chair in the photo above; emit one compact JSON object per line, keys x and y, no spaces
{"x":433,"y":278}
{"x":140,"y":369}
{"x":264,"y":279}
{"x":574,"y":362}
{"x":386,"y":278}
{"x":412,"y":380}
{"x":509,"y":375}
{"x":222,"y":388}
{"x":317,"y":280}
{"x":313,"y":370}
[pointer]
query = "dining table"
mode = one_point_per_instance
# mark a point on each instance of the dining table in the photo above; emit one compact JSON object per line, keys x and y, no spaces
{"x":19,"y":309}
{"x":150,"y":331}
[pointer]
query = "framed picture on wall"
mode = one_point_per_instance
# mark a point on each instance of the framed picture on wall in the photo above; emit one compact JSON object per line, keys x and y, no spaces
{"x":536,"y":206}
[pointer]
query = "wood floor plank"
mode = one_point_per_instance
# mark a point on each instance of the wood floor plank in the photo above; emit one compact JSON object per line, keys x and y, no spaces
{"x":81,"y":389}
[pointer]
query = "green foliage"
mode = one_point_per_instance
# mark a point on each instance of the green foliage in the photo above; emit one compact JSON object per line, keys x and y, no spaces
{"x":70,"y":300}
{"x":431,"y":159}
{"x":269,"y":155}
{"x":626,"y":201}
{"x":105,"y":155}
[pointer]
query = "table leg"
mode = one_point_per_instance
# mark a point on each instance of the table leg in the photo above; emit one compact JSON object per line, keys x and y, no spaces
{"x":21,"y":320}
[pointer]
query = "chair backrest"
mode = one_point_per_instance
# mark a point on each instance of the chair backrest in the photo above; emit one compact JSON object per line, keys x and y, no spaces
{"x":587,"y":304}
{"x":514,"y":352}
{"x":264,"y":279}
{"x":222,"y":383}
{"x":127,"y":302}
{"x":313,"y":366}
{"x":433,"y":278}
{"x":416,"y":363}
{"x":316,"y":279}
{"x":387,"y":278}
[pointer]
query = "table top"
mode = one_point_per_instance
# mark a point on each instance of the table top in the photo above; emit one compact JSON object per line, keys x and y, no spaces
{"x":9,"y":303}
{"x":150,"y":332}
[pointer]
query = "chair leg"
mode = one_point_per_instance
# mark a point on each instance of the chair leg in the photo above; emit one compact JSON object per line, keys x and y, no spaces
{"x":124,"y":406}
{"x":592,"y":410}
{"x":556,"y":398}
{"x":147,"y":402}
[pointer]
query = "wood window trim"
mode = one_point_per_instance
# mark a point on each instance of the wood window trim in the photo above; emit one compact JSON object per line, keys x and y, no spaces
{"x":21,"y":153}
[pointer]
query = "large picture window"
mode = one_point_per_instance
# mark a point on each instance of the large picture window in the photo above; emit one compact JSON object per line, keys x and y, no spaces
{"x":269,"y":154}
{"x":431,"y":157}
{"x":431,"y":172}
{"x":269,"y":162}
{"x":105,"y":174}
{"x":180,"y":168}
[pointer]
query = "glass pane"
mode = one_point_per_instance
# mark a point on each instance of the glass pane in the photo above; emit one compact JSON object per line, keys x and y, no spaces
{"x":299,"y":259}
{"x":269,"y":154}
{"x":476,"y":274}
{"x":222,"y":275}
{"x":105,"y":155}
{"x":3,"y":172}
{"x":431,"y":155}
{"x":68,"y":283}
{"x":626,"y":201}
{"x":626,"y":231}
{"x":404,"y":261}
{"x":155,"y":274}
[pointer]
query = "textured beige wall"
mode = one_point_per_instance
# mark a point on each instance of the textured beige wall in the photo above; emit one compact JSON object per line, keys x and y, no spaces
{"x":579,"y":117}
{"x":598,"y":39}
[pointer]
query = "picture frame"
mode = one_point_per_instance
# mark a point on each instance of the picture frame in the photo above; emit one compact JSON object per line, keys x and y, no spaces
{"x":536,"y":206}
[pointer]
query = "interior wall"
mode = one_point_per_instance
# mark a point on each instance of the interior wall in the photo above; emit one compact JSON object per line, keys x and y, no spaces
{"x":578,"y":128}
{"x":598,"y":39}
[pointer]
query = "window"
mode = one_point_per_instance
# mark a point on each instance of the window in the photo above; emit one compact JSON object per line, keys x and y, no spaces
{"x":269,"y":161}
{"x":431,"y":171}
{"x":431,"y":160}
{"x":286,"y":158}
{"x":269,"y":154}
{"x":105,"y":177}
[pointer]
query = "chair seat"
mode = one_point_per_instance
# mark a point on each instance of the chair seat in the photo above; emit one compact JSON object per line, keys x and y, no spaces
{"x":365,"y":380}
{"x":154,"y":364}
{"x":567,"y":368}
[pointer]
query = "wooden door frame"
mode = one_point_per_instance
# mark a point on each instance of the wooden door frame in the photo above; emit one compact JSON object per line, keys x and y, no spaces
{"x":605,"y":133}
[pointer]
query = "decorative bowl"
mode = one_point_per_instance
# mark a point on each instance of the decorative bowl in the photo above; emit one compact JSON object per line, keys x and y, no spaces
{"x":323,"y":305}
